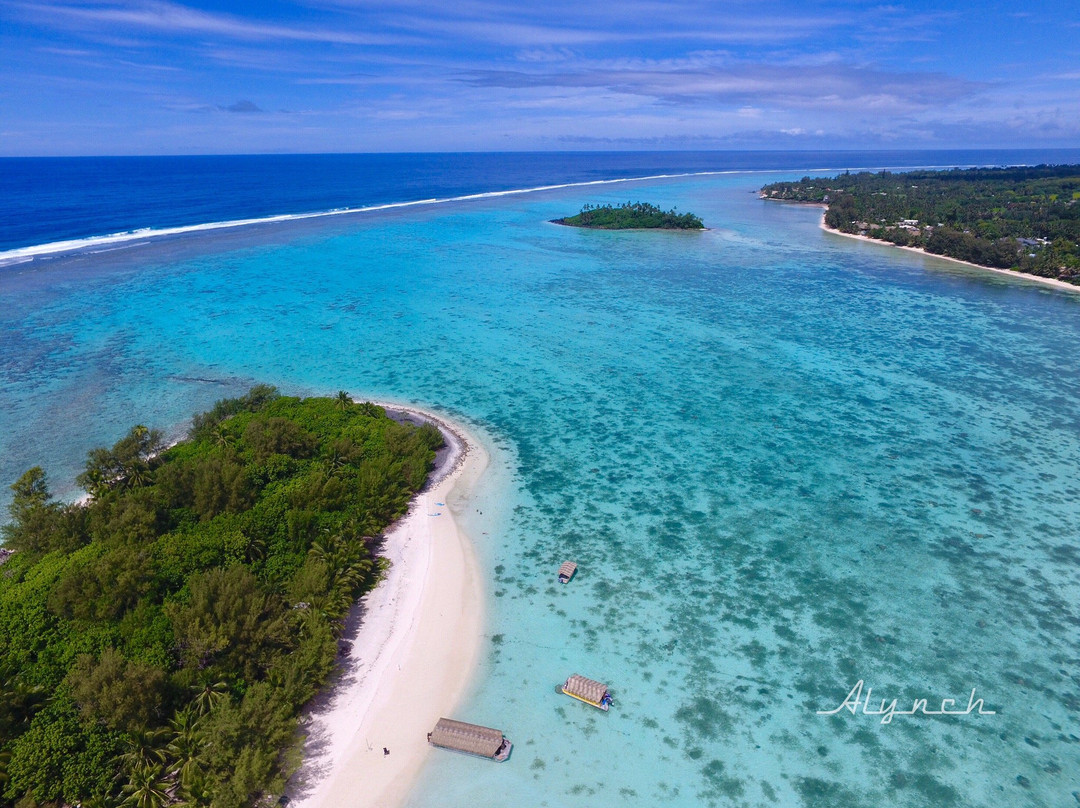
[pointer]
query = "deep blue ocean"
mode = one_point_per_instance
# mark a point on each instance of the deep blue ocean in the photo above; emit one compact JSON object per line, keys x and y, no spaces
{"x":45,"y":200}
{"x":786,"y":461}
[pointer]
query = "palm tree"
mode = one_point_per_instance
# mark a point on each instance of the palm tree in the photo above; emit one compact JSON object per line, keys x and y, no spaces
{"x":97,"y":800}
{"x":196,"y":794}
{"x":209,"y":696}
{"x":347,"y":570}
{"x":184,"y":748}
{"x":94,"y":482}
{"x":18,"y":703}
{"x":147,"y":788}
{"x":220,"y":436}
{"x":185,"y":721}
{"x":336,"y":462}
{"x":139,"y":475}
{"x":343,"y":558}
{"x":343,"y":400}
{"x":143,"y":748}
{"x":256,"y":548}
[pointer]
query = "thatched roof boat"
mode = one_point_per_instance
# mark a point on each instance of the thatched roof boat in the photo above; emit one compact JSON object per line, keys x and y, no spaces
{"x":588,"y":690}
{"x":470,"y":738}
{"x":566,"y":571}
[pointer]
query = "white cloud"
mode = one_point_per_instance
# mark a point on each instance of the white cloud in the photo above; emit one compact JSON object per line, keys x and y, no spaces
{"x":173,"y":18}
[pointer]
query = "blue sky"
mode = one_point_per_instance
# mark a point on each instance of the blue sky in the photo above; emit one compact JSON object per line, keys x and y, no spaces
{"x":165,"y":77}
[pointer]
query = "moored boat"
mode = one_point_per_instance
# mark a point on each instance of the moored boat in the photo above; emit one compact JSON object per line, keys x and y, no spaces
{"x":588,"y":690}
{"x":472,"y":739}
{"x":566,"y":571}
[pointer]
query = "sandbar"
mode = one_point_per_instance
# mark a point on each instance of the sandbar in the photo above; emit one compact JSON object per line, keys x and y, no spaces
{"x":411,"y":646}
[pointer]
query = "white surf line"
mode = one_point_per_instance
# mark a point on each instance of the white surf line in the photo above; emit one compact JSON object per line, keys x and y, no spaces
{"x":57,"y":247}
{"x":21,"y":255}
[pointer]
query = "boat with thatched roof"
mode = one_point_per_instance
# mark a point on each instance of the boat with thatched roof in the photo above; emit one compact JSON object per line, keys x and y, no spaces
{"x":471,"y":739}
{"x":566,"y":571}
{"x":588,"y":690}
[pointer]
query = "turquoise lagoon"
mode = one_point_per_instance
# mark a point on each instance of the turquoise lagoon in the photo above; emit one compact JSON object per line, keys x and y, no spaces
{"x":785,"y":461}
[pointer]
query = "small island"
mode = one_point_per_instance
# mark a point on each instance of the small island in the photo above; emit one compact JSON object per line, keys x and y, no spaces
{"x":631,"y":216}
{"x":159,"y":638}
{"x":1024,"y":219}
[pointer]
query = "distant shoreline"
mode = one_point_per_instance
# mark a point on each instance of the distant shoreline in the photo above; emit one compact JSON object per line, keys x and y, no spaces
{"x":1024,"y":276}
{"x":1012,"y":273}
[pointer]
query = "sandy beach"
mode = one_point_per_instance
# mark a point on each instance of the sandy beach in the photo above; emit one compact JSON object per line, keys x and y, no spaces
{"x":1023,"y":276}
{"x":413,"y":644}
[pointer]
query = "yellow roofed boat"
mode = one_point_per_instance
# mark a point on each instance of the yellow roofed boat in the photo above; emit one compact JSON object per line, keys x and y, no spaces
{"x":589,"y":691}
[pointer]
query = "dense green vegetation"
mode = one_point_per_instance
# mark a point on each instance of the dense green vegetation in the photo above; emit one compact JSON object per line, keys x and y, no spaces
{"x":1026,"y":219}
{"x":158,"y":641}
{"x":632,"y":216}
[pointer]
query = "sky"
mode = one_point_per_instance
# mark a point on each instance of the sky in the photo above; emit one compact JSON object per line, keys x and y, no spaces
{"x":168,"y":77}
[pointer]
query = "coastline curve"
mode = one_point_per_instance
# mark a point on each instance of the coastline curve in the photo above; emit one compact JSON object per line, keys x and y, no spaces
{"x":1011,"y":273}
{"x":412,"y":644}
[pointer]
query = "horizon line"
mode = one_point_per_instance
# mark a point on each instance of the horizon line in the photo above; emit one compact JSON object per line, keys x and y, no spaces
{"x":769,"y":150}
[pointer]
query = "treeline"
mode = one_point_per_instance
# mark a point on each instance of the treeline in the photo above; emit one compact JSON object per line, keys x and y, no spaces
{"x":632,"y":215}
{"x":158,"y":640}
{"x":1027,"y":219}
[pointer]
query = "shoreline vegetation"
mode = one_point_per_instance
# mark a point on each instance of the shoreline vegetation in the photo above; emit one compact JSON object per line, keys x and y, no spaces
{"x":159,"y":640}
{"x":631,"y":216}
{"x":1012,"y":273}
{"x":1020,"y":221}
{"x":415,"y":652}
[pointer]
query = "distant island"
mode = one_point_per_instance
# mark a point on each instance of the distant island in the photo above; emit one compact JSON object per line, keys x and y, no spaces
{"x":632,"y":216}
{"x":1026,"y":219}
{"x":158,"y":640}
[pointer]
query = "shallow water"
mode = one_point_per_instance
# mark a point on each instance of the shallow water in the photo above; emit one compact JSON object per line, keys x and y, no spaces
{"x":785,"y":461}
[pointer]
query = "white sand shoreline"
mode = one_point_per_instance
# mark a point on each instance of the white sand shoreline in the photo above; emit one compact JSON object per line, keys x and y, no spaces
{"x":1012,"y":273}
{"x":411,"y":659}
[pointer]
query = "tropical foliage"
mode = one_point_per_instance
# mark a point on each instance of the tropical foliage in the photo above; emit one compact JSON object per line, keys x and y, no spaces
{"x":1026,"y":219}
{"x":632,"y":216}
{"x":158,"y":640}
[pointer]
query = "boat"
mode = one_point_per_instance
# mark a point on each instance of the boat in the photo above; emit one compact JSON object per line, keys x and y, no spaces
{"x":472,"y":739}
{"x":588,"y":690}
{"x":566,"y":571}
